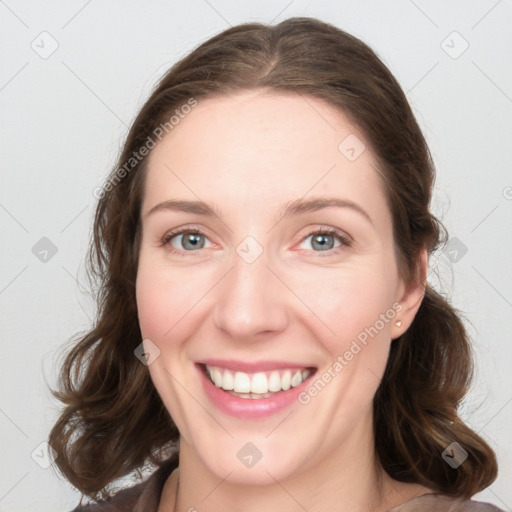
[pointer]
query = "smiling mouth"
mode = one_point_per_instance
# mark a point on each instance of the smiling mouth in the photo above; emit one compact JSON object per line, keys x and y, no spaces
{"x":259,"y":384}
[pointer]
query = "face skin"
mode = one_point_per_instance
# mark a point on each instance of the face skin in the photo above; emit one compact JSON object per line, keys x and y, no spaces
{"x":249,"y":155}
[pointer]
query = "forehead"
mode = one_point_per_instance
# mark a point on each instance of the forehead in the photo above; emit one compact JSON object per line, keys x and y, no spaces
{"x":254,"y":151}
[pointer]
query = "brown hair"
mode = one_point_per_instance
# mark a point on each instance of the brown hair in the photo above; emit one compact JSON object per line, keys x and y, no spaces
{"x":114,"y":421}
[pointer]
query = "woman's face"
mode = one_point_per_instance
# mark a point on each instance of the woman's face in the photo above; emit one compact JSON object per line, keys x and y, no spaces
{"x":264,"y":299}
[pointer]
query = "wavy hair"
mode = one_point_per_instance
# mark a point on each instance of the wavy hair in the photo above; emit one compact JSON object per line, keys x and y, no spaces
{"x":113,"y":421}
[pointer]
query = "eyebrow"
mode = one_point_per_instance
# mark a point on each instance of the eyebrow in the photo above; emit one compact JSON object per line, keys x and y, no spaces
{"x":297,"y":207}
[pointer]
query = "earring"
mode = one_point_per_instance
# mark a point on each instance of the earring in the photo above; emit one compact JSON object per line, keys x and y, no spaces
{"x":398,"y":323}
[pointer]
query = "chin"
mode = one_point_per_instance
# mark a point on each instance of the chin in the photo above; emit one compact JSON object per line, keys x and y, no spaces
{"x":253,"y":460}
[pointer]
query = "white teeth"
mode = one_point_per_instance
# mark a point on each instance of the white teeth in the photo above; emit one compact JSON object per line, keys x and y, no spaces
{"x":296,"y":379}
{"x":228,"y":381}
{"x":247,"y":385}
{"x":259,"y":383}
{"x":242,"y":383}
{"x":274,"y":382}
{"x":286,"y":380}
{"x":217,"y":377}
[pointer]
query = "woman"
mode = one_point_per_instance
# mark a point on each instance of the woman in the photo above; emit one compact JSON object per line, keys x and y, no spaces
{"x":266,"y":336}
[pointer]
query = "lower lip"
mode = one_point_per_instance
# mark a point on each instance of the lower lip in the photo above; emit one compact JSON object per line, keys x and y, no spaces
{"x":249,"y":408}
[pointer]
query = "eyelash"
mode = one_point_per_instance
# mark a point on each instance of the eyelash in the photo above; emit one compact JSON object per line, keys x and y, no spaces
{"x":344,"y":240}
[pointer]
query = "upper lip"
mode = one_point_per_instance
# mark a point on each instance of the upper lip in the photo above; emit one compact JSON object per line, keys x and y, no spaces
{"x":253,"y":366}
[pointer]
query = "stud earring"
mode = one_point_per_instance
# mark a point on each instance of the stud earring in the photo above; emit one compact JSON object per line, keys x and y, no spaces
{"x":398,"y":323}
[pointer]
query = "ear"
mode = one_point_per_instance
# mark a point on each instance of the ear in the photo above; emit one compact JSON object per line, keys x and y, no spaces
{"x":410,"y":295}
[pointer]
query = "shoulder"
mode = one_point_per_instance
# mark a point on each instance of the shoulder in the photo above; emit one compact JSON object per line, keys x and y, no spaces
{"x":122,"y":500}
{"x":438,"y":503}
{"x":142,"y":496}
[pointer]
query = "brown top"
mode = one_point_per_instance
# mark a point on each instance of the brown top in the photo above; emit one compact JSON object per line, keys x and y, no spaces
{"x":145,"y":497}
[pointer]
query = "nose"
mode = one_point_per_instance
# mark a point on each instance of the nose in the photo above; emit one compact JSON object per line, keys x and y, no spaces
{"x":251,"y":301}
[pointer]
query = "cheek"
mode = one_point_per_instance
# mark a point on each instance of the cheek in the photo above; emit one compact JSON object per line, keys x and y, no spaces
{"x":339,"y":302}
{"x":151,"y":307}
{"x":169,"y":300}
{"x":160,"y":300}
{"x":354,"y":306}
{"x":359,"y":293}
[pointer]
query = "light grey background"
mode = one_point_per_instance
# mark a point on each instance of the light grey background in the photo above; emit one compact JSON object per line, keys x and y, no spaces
{"x":65,"y":116}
